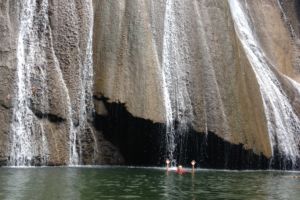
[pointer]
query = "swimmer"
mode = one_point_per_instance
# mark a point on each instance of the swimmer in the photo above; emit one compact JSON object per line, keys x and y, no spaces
{"x":167,"y":164}
{"x":180,"y":170}
{"x":193,"y":165}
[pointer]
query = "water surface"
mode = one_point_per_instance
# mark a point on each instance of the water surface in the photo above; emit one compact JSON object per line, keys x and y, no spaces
{"x":144,"y":183}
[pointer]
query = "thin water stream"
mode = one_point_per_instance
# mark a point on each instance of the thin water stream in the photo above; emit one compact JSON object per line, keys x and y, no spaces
{"x":179,"y":111}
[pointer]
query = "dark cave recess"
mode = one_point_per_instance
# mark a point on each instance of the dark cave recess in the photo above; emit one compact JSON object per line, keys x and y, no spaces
{"x":143,"y":143}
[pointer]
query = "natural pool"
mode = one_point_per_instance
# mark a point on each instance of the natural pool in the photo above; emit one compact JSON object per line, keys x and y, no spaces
{"x":144,"y":183}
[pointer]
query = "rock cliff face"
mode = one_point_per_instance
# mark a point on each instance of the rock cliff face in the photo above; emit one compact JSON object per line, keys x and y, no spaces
{"x":110,"y":82}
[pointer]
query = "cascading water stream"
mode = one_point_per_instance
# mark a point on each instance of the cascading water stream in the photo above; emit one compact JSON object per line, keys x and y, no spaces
{"x":89,"y":74}
{"x":283,"y":123}
{"x":85,"y":90}
{"x":27,"y":136}
{"x":176,"y":96}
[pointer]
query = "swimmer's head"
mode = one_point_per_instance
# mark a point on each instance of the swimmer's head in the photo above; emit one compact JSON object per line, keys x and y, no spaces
{"x":193,"y":162}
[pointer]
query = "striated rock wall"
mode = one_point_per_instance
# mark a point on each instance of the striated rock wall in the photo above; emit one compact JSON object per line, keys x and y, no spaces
{"x":212,"y":86}
{"x":9,"y":26}
{"x":125,"y":59}
{"x":222,"y":87}
{"x":53,"y":47}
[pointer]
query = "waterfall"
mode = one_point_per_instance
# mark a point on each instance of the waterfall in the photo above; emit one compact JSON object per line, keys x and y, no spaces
{"x":176,"y":96}
{"x":85,"y":89}
{"x":28,"y":140}
{"x":89,"y":74}
{"x":283,"y":123}
{"x":29,"y":145}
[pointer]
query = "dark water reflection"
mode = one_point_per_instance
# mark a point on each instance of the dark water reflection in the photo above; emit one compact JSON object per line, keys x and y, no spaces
{"x":138,"y":183}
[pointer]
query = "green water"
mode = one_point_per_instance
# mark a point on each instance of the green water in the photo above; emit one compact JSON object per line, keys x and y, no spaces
{"x":141,"y":183}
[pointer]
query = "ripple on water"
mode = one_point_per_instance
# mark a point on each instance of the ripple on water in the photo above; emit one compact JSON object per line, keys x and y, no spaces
{"x":145,"y":183}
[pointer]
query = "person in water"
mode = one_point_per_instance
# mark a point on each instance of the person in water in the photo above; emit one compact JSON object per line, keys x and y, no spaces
{"x":167,"y":164}
{"x":180,"y":170}
{"x":193,"y":163}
